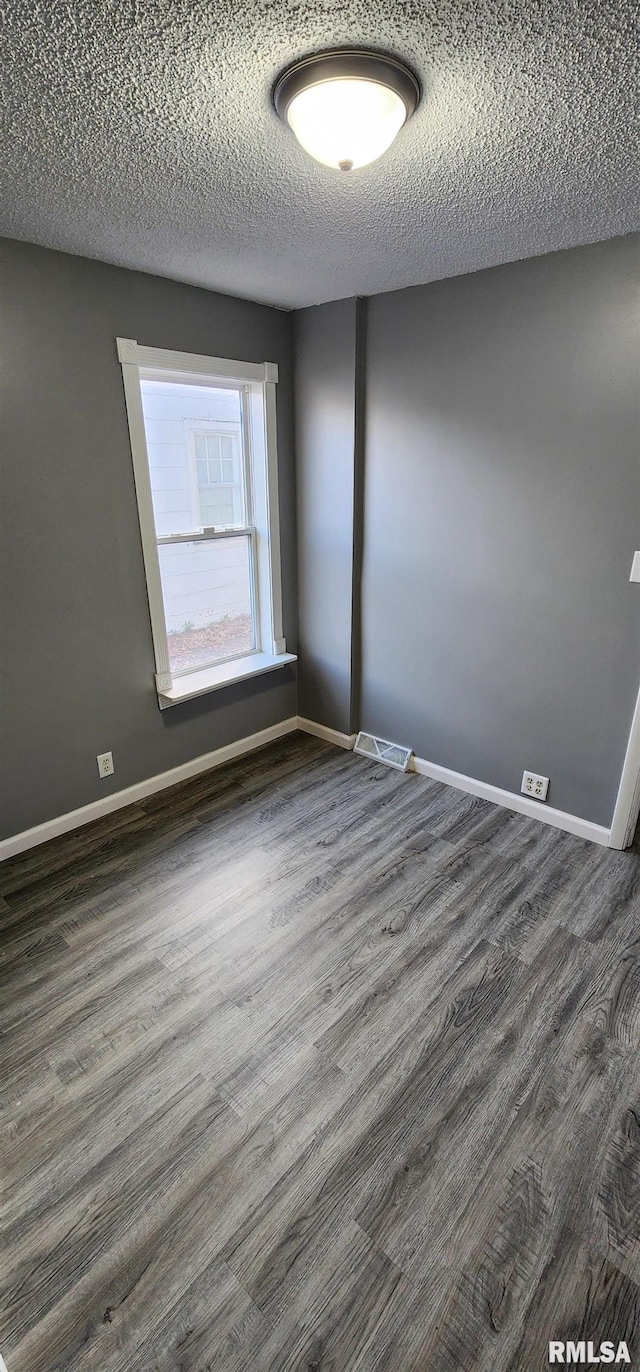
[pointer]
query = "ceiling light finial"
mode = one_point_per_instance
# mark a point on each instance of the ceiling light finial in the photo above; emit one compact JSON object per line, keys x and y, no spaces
{"x":346,"y":107}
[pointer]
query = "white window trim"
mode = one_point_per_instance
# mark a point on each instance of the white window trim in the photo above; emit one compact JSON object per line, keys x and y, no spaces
{"x":259,"y":380}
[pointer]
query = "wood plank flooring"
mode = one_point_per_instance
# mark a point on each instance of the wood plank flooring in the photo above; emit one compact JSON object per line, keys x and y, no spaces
{"x":309,"y":1064}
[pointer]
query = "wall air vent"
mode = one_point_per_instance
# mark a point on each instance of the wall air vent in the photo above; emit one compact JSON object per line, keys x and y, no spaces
{"x":382,"y":751}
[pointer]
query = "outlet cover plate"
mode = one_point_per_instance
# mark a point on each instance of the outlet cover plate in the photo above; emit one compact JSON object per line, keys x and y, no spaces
{"x":105,"y":764}
{"x":534,"y":785}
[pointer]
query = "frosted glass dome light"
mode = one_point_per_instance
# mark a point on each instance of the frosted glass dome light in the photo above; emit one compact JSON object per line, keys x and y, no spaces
{"x":346,"y":124}
{"x":346,"y":107}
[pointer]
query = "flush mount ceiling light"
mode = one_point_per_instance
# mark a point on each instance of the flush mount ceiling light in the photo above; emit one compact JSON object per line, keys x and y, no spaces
{"x":346,"y":107}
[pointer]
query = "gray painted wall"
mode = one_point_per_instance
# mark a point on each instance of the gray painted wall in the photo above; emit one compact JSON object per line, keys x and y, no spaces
{"x":502,"y":510}
{"x":76,"y":653}
{"x":324,"y":351}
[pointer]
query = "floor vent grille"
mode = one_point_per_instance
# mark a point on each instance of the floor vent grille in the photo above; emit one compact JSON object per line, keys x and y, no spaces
{"x":379,"y":748}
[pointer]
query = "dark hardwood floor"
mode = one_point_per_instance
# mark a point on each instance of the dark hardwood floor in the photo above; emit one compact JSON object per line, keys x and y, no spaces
{"x":309,"y":1064}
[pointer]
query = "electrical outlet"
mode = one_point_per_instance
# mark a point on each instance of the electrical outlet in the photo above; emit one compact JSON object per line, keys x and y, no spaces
{"x":533,"y":785}
{"x":105,"y":764}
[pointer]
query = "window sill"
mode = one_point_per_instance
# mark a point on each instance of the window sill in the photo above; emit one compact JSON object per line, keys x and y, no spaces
{"x":212,"y":678}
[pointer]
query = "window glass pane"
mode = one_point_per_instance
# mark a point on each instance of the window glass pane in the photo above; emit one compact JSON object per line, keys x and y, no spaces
{"x":207,"y":598}
{"x":226,"y":446}
{"x":220,"y":488}
{"x":184,"y":425}
{"x":216,"y":504}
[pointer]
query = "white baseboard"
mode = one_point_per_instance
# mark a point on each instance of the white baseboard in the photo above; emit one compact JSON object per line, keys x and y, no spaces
{"x":74,"y":819}
{"x":308,"y":726}
{"x":559,"y":819}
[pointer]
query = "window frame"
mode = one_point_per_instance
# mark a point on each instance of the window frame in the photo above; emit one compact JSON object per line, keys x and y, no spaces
{"x":258,"y":383}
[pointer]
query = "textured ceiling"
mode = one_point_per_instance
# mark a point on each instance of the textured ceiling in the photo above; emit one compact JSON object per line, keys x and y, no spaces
{"x":141,"y":132}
